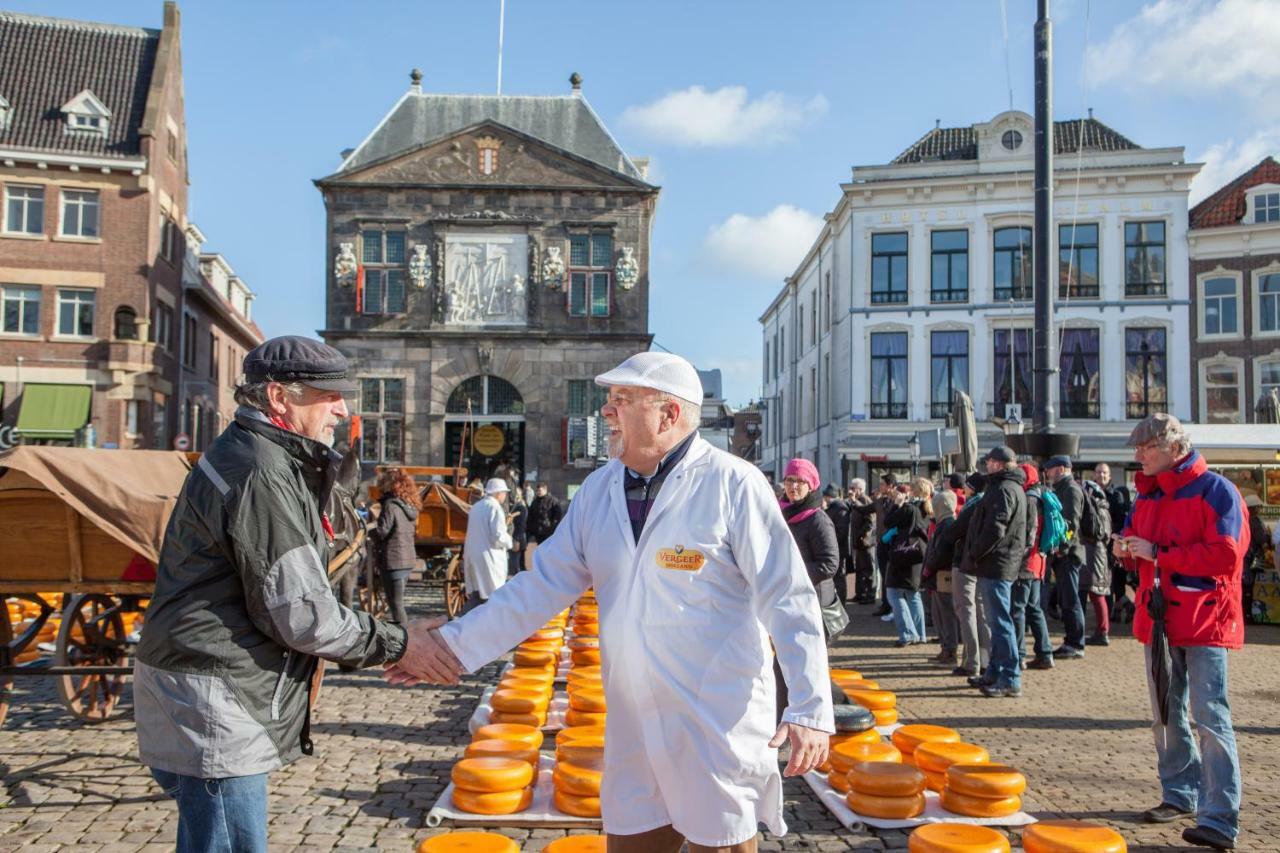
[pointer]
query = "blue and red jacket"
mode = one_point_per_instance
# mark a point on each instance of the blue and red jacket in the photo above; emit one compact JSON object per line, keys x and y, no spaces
{"x":1200,"y":527}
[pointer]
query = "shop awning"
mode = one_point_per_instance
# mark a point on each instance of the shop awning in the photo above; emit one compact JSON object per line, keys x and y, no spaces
{"x":53,"y":411}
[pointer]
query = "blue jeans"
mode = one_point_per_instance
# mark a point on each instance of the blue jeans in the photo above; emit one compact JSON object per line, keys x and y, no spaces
{"x":218,"y":815}
{"x":1205,"y":779}
{"x":908,"y":614}
{"x":1005,"y":667}
{"x":1067,"y":574}
{"x":1027,"y":614}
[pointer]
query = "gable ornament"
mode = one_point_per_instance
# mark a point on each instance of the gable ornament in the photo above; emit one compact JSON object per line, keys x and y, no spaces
{"x":345,"y":265}
{"x":553,"y":268}
{"x":487,"y":154}
{"x":420,"y":267}
{"x":627,"y":271}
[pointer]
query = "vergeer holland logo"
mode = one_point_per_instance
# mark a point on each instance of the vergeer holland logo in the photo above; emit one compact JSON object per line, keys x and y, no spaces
{"x":679,"y":559}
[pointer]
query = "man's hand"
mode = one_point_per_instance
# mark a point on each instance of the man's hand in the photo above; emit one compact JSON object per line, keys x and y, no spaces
{"x":1139,"y":548}
{"x":426,"y":657}
{"x":808,"y":747}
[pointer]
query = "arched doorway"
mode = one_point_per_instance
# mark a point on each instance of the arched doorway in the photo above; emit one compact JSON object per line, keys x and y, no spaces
{"x":484,"y":426}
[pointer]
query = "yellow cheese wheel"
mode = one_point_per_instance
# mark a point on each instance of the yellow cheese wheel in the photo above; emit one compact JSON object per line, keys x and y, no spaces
{"x":838,"y":782}
{"x":937,"y":757}
{"x":587,"y":700}
{"x":584,"y":643}
{"x":956,"y":838}
{"x":579,"y":781}
{"x":985,"y":780}
{"x":572,"y":733}
{"x":514,"y":701}
{"x":542,"y":672}
{"x":543,"y":688}
{"x":887,"y":717}
{"x":547,"y":633}
{"x":577,"y":844}
{"x":506,"y":731}
{"x":885,"y":779}
{"x":934,"y":781}
{"x":468,"y":842}
{"x":537,"y":721}
{"x":584,"y":752}
{"x":1071,"y":836}
{"x":911,"y":736}
{"x":500,"y":802}
{"x":585,"y":657}
{"x":502,"y":749}
{"x":963,"y":804}
{"x":574,"y":717}
{"x":535,"y":657}
{"x":491,"y":775}
{"x":837,"y":674}
{"x":541,"y":645}
{"x":873,"y":700}
{"x":845,"y":755}
{"x":889,"y":808}
{"x":869,"y":736}
{"x":847,"y":684}
{"x":577,"y":806}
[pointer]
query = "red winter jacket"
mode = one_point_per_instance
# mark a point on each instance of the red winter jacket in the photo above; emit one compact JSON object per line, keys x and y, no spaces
{"x":1035,"y":561}
{"x":1201,"y":529}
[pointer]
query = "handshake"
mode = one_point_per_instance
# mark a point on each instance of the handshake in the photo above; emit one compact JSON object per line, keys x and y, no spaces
{"x":427,"y":659}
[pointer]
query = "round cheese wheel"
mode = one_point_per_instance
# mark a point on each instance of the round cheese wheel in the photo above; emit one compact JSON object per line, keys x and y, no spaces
{"x":889,"y":808}
{"x":501,"y":802}
{"x":839,"y":782}
{"x":847,"y":684}
{"x":911,"y":736}
{"x":577,"y":844}
{"x":584,"y":676}
{"x":535,"y":657}
{"x":585,"y":657}
{"x":576,"y":806}
{"x":585,"y":699}
{"x":468,"y":842}
{"x":536,"y":721}
{"x":934,"y":781}
{"x":985,"y":780}
{"x":544,"y":691}
{"x":584,"y":643}
{"x":514,"y":701}
{"x":543,"y":672}
{"x":579,"y":781}
{"x":873,"y":700}
{"x":502,"y":749}
{"x":573,"y":733}
{"x":887,"y":717}
{"x":868,"y":736}
{"x":491,"y":775}
{"x":956,"y":838}
{"x":837,"y":674}
{"x":574,"y":717}
{"x":937,"y":757}
{"x":547,"y":633}
{"x":586,"y":629}
{"x":845,"y":755}
{"x":1071,"y":836}
{"x":527,"y":735}
{"x":885,"y":779}
{"x":585,"y":752}
{"x":963,"y":804}
{"x":541,"y":645}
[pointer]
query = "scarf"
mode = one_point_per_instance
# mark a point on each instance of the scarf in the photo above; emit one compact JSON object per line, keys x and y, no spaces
{"x":797,"y":512}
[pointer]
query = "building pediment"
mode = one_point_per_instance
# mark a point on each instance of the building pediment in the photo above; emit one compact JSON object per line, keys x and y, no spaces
{"x":487,"y":154}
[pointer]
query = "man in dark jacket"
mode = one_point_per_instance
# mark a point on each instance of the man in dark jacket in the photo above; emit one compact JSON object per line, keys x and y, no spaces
{"x":1118,"y":502}
{"x":995,"y":545}
{"x":862,"y":542}
{"x":1069,"y":559}
{"x":838,"y":511}
{"x":884,"y":504}
{"x":543,"y":518}
{"x":243,"y":610}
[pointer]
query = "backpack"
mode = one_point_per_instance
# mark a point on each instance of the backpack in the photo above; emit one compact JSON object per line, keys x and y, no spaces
{"x":1054,"y":532}
{"x":1095,"y":516}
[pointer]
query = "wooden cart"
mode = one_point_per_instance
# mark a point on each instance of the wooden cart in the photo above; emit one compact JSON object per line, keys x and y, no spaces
{"x":441,"y":528}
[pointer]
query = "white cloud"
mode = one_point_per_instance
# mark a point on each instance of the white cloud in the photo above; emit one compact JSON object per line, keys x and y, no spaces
{"x":1196,"y":46}
{"x":724,"y":117}
{"x":1226,"y":161}
{"x":766,"y":246}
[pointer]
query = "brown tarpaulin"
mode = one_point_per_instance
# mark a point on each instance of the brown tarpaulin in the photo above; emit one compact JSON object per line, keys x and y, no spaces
{"x":129,"y":494}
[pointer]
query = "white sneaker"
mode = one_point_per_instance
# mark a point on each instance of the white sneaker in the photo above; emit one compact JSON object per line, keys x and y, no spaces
{"x":888,"y":617}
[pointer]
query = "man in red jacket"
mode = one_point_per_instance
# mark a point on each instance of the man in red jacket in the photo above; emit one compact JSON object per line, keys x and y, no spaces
{"x":1190,"y":525}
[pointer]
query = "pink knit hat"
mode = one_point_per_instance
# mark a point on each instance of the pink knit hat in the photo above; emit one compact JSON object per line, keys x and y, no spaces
{"x":804,"y":469}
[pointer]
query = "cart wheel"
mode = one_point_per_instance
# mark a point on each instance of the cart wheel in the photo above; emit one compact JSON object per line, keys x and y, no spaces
{"x":317,"y":679}
{"x":92,"y":634}
{"x":6,"y":682}
{"x":455,"y":594}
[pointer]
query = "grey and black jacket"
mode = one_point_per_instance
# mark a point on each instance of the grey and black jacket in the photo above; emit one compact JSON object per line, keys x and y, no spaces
{"x":243,"y":608}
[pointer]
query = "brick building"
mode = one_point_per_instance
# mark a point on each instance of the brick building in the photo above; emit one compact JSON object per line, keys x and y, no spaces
{"x":487,"y":256}
{"x":94,"y":234}
{"x":1235,"y":288}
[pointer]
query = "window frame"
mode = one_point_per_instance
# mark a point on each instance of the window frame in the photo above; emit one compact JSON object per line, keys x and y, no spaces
{"x":1068,"y":290}
{"x":1146,"y":288}
{"x":1255,"y":292}
{"x":1259,"y":363}
{"x":383,"y":269}
{"x":1137,"y":410}
{"x":27,"y":202}
{"x":1092,"y":408}
{"x":162,"y":329}
{"x":939,"y":409}
{"x":883,"y":297}
{"x":1202,"y":371}
{"x":190,"y":340}
{"x":1261,"y":193}
{"x":891,"y":409}
{"x":592,"y":393}
{"x":1026,"y":292}
{"x":116,"y":316}
{"x":950,"y":255}
{"x":997,"y":404}
{"x":92,"y":198}
{"x":23,"y":304}
{"x":1202,"y":306}
{"x":591,"y":274}
{"x":381,"y":416}
{"x":60,"y":300}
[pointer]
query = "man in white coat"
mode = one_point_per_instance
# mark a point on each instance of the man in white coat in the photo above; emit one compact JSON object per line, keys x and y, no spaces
{"x":484,"y":554}
{"x":695,"y":572}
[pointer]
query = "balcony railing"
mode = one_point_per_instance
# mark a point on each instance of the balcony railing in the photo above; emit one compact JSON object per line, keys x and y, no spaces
{"x":939,"y":410}
{"x":1079,"y":291}
{"x":1080,"y":409}
{"x":1144,"y":288}
{"x":1137,"y":409}
{"x":1017,"y":294}
{"x":889,"y":411}
{"x":949,"y":296}
{"x":889,"y":297}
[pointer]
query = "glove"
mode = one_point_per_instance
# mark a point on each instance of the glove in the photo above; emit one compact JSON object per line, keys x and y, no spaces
{"x":888,"y":535}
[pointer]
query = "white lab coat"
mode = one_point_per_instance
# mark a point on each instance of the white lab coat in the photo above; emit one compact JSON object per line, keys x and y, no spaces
{"x":484,"y":554}
{"x":687,"y":664}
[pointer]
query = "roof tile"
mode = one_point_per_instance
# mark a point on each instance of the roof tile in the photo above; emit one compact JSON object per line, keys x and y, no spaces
{"x":1227,"y":206}
{"x":961,"y":143}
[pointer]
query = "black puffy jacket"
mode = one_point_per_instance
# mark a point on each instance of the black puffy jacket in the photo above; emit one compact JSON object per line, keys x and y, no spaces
{"x":396,"y":532}
{"x":1071,"y":496}
{"x":911,"y":533}
{"x":838,"y":512}
{"x":816,"y":538}
{"x":996,"y":542}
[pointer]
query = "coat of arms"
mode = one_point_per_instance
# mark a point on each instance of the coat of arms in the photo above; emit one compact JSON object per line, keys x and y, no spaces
{"x":487,"y":148}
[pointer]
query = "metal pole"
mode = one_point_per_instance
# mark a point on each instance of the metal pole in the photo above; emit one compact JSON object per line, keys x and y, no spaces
{"x":1045,"y":368}
{"x":502,"y":22}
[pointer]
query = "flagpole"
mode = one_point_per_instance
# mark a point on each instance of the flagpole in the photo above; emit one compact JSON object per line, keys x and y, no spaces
{"x":502,"y":20}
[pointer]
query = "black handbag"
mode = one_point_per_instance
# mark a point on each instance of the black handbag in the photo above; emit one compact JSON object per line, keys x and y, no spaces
{"x":834,"y":618}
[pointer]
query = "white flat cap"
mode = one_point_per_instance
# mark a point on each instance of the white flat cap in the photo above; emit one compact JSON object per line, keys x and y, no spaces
{"x":497,"y":484}
{"x":658,"y":370}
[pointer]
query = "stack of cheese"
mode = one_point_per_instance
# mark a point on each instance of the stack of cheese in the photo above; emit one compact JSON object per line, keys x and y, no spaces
{"x":933,"y":759}
{"x":885,"y":789}
{"x":470,"y":842}
{"x":882,"y":703}
{"x":956,"y":838}
{"x":910,"y":737}
{"x":586,"y":616}
{"x":579,"y":766}
{"x":498,"y":771}
{"x":524,"y":693}
{"x":586,"y":697}
{"x":851,"y":679}
{"x":850,"y":752}
{"x":983,"y":790}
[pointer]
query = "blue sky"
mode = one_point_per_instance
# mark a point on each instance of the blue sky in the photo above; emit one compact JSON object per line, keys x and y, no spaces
{"x":752,"y":113}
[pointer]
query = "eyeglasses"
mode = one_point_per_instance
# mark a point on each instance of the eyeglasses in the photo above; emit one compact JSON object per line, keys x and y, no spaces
{"x":794,"y":481}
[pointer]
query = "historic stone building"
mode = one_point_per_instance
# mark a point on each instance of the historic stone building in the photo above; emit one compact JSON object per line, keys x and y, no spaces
{"x":487,"y":256}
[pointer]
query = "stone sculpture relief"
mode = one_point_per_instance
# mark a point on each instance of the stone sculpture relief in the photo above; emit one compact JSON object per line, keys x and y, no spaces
{"x":486,"y":276}
{"x":420,"y":267}
{"x":345,"y":265}
{"x":553,"y":268}
{"x":627,"y":271}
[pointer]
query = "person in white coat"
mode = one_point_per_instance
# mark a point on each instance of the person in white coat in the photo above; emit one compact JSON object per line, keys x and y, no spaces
{"x":484,"y":553}
{"x":696,"y":575}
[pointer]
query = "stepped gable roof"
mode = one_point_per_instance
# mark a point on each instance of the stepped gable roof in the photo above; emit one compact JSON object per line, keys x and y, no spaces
{"x":961,"y":143}
{"x":45,"y":62}
{"x":1227,"y":205}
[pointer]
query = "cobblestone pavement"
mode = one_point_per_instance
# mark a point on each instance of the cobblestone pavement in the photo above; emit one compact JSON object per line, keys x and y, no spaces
{"x":383,"y":755}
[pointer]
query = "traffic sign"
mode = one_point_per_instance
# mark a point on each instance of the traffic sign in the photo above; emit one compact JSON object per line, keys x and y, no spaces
{"x":182,"y":442}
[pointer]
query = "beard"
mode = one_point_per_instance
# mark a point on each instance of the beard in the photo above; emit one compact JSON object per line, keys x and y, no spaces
{"x":616,"y":445}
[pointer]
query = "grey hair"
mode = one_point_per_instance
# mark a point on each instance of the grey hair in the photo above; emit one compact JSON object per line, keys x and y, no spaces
{"x":1177,"y":442}
{"x":690,"y":412}
{"x":858,"y":483}
{"x":944,"y":503}
{"x":254,"y":394}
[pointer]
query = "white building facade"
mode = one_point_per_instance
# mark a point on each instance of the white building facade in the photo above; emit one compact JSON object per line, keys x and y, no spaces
{"x":920,"y":284}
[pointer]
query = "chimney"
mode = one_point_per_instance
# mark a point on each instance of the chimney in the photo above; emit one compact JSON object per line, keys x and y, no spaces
{"x":1090,"y":113}
{"x":415,"y":81}
{"x":937,"y":124}
{"x":346,"y":152}
{"x":575,"y":80}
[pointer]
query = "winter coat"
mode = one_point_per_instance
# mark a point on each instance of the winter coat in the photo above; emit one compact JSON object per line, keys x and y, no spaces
{"x":940,"y":553}
{"x":1095,"y":575}
{"x":816,"y":538}
{"x":519,"y":524}
{"x":395,"y":533}
{"x":996,"y":541}
{"x":839,"y":513}
{"x":953,"y":538}
{"x":1033,"y":565}
{"x":862,"y":524}
{"x":242,"y":609}
{"x":1071,"y":496}
{"x":1200,"y":527}
{"x":911,"y":530}
{"x":1118,"y":502}
{"x":544,"y":514}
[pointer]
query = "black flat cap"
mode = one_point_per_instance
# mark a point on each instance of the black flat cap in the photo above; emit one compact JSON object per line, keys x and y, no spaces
{"x":292,"y":358}
{"x":1003,"y":453}
{"x":1058,"y":462}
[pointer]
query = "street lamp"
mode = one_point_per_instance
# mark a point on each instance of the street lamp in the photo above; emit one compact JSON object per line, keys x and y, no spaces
{"x":913,"y":446}
{"x":753,"y":433}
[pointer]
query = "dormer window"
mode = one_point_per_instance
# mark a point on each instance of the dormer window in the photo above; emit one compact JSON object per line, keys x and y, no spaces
{"x":5,"y":110}
{"x":1011,"y":140}
{"x":1266,"y":207}
{"x":86,"y":114}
